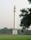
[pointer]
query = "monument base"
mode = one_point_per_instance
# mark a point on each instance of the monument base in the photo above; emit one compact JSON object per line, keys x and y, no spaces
{"x":14,"y":32}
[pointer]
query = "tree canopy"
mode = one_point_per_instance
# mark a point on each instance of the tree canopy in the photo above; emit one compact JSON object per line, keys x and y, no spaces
{"x":29,"y":1}
{"x":26,"y":20}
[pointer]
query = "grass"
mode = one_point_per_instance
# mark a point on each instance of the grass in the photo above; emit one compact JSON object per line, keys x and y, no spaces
{"x":16,"y":37}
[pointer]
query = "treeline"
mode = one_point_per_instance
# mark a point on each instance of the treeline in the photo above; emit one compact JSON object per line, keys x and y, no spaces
{"x":9,"y":31}
{"x":5,"y":31}
{"x":26,"y":32}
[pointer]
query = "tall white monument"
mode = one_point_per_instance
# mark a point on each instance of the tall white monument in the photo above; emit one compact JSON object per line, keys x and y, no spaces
{"x":14,"y":29}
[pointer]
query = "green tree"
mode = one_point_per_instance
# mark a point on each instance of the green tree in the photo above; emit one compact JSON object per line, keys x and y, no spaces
{"x":29,"y":1}
{"x":26,"y":20}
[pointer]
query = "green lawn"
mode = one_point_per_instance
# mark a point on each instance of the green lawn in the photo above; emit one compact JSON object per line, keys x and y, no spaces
{"x":17,"y":37}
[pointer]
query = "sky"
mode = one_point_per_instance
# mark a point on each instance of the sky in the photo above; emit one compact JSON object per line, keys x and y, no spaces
{"x":7,"y":12}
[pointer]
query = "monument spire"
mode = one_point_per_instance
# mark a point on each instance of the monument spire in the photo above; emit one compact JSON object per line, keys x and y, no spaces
{"x":14,"y":15}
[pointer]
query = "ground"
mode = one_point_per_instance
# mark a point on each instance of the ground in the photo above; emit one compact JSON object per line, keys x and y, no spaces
{"x":15,"y":37}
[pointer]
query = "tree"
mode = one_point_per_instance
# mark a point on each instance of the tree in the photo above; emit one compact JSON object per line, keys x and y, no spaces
{"x":29,"y":1}
{"x":26,"y":20}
